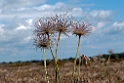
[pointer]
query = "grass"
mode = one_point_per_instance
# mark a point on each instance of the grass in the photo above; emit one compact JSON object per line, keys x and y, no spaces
{"x":97,"y":72}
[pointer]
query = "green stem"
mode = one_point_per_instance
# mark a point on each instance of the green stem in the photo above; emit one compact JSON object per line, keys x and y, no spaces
{"x":79,"y":68}
{"x":55,"y":61}
{"x":57,"y":44}
{"x":75,"y":59}
{"x":44,"y":51}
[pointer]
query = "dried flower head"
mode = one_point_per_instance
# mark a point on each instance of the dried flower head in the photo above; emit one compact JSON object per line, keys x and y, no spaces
{"x":85,"y":59}
{"x":44,"y":26}
{"x":62,"y":24}
{"x":110,"y":51}
{"x":81,"y":29}
{"x":41,"y":42}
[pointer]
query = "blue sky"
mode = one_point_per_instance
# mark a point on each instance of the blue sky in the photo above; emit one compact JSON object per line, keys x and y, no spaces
{"x":17,"y":18}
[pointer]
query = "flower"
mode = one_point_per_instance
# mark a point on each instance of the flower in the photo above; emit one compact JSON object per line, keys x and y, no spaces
{"x":44,"y":26}
{"x":41,"y":42}
{"x":62,"y":24}
{"x":81,"y":29}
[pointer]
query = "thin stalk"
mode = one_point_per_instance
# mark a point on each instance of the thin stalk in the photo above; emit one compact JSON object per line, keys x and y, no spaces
{"x":75,"y":59}
{"x":57,"y":44}
{"x":108,"y":60}
{"x":57,"y":54}
{"x":79,"y":68}
{"x":44,"y":51}
{"x":55,"y":61}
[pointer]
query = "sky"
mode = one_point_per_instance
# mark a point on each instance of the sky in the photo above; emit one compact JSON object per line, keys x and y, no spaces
{"x":17,"y":18}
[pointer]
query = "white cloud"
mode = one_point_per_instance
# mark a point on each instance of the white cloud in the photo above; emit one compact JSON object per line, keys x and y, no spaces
{"x":21,"y":27}
{"x":98,"y":28}
{"x":101,"y":14}
{"x":93,"y":28}
{"x":100,"y":24}
{"x":58,"y":7}
{"x":88,"y":4}
{"x":119,"y":25}
{"x":0,"y":10}
{"x":19,"y":9}
{"x":26,"y":25}
{"x":77,"y":9}
{"x":1,"y":29}
{"x":29,"y":21}
{"x":5,"y":4}
{"x":59,"y":4}
{"x":17,"y":32}
{"x":37,"y":11}
{"x":27,"y":39}
{"x":114,"y":31}
{"x":43,"y":7}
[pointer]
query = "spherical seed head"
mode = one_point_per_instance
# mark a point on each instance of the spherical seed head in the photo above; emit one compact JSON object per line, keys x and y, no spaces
{"x":81,"y":29}
{"x":41,"y":42}
{"x":44,"y":26}
{"x":62,"y":23}
{"x":62,"y":26}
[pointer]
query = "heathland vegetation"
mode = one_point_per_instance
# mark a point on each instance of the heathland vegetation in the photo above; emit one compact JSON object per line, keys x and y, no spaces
{"x":98,"y":71}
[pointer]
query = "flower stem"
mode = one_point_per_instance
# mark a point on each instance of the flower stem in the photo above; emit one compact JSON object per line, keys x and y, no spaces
{"x":57,"y":54}
{"x":79,"y":68}
{"x":44,"y":51}
{"x":55,"y":61}
{"x":75,"y":59}
{"x":57,"y":44}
